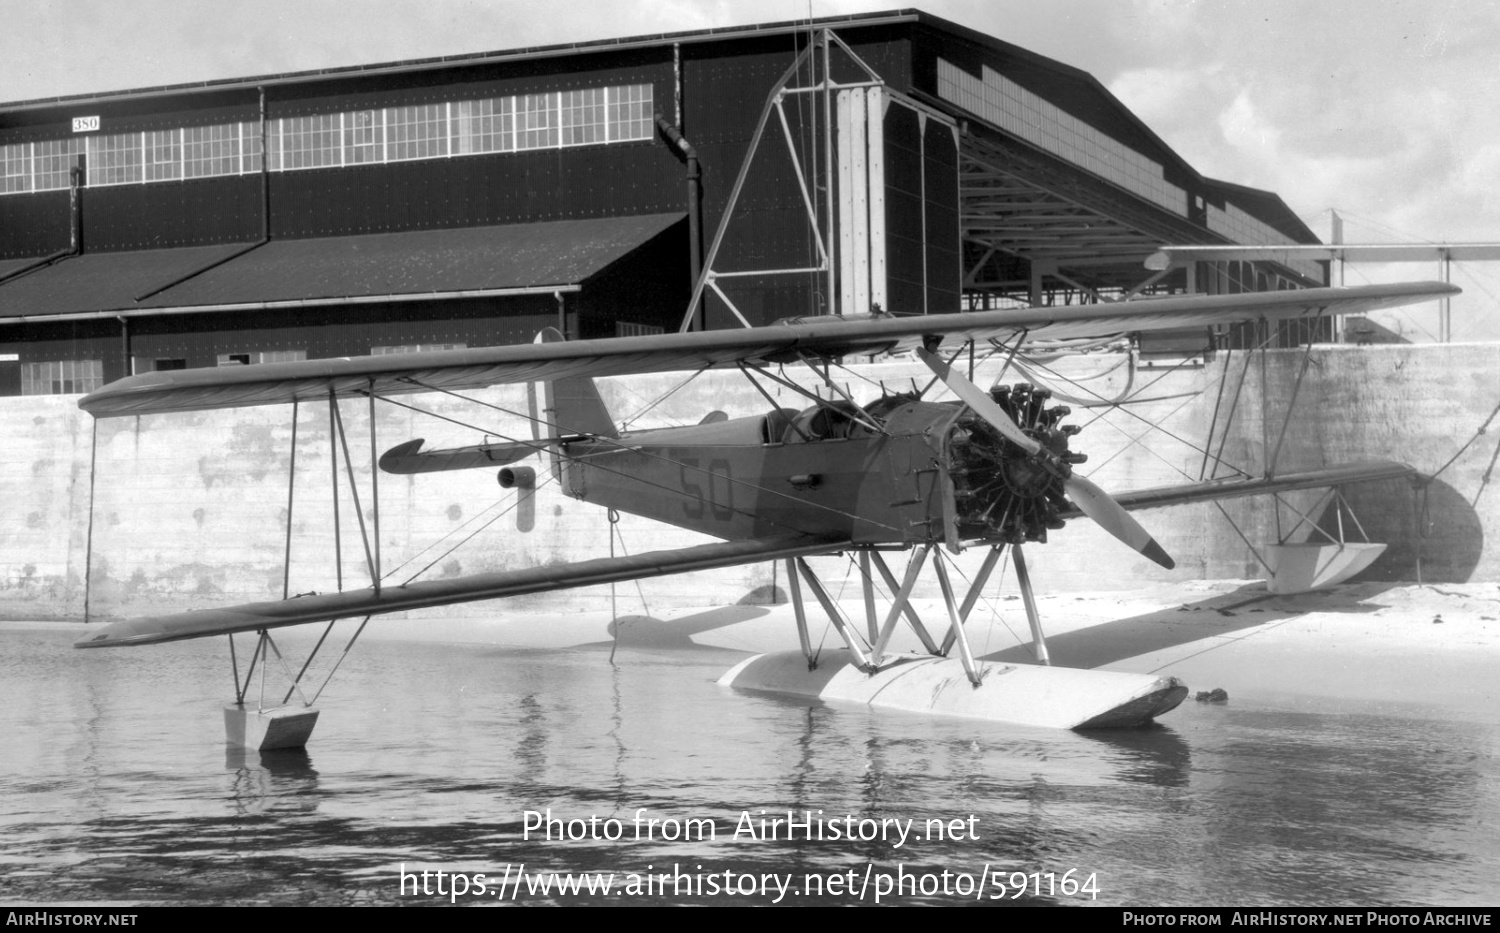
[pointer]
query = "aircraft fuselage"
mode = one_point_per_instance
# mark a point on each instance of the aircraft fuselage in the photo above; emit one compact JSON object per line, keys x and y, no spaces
{"x":929,"y":475}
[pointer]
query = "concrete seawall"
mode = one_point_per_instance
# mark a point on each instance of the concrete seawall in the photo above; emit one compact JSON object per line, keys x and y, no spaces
{"x":162,"y":513}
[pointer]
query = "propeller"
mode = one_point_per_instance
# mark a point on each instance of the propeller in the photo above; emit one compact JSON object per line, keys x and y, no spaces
{"x":1090,"y":499}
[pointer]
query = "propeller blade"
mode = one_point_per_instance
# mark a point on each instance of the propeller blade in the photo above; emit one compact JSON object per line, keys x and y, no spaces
{"x":1091,"y":500}
{"x":979,"y":400}
{"x":1109,"y":515}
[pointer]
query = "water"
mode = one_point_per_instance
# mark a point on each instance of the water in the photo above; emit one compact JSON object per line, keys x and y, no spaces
{"x":115,"y":786}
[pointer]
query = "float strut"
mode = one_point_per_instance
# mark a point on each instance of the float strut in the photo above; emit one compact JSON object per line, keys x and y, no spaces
{"x":835,"y":615}
{"x":794,"y":590}
{"x":1038,"y":640}
{"x":867,"y":587}
{"x":901,"y":605}
{"x":956,"y":624}
{"x":975,"y":589}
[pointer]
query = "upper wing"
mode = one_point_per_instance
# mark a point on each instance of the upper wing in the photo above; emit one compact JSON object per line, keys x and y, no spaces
{"x":201,"y":623}
{"x":196,"y":389}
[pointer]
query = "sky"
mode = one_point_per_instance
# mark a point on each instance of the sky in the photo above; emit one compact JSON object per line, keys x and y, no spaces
{"x":1383,"y":110}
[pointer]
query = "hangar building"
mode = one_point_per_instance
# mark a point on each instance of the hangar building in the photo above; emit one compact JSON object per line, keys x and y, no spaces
{"x":889,"y":162}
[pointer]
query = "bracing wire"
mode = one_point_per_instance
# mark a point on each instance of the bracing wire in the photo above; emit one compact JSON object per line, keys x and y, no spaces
{"x":623,"y":445}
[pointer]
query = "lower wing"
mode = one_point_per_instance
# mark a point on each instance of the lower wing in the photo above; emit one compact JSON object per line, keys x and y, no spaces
{"x":201,"y":623}
{"x":1239,"y":487}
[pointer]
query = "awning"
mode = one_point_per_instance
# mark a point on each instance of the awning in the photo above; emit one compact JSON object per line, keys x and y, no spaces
{"x":8,"y":266}
{"x":415,"y":265}
{"x":101,"y":282}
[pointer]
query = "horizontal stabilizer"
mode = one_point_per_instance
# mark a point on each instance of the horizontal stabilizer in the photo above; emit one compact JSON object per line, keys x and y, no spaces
{"x":201,"y":623}
{"x":411,"y":458}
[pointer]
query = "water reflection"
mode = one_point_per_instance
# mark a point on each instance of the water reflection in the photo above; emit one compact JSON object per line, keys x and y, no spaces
{"x":118,"y":786}
{"x":282,"y":781}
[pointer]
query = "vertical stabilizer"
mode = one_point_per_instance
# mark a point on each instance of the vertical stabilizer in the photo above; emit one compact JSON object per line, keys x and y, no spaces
{"x":573,"y":404}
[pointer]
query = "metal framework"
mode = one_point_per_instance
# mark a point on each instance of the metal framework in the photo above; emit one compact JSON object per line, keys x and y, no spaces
{"x":871,"y":649}
{"x":829,"y":233}
{"x":265,"y":645}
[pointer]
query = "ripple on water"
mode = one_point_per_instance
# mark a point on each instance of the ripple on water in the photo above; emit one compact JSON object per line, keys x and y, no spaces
{"x":117,"y":786}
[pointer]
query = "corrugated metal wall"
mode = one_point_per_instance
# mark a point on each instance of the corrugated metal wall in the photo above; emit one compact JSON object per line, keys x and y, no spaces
{"x":468,"y":190}
{"x":34,"y":224}
{"x":922,"y":229}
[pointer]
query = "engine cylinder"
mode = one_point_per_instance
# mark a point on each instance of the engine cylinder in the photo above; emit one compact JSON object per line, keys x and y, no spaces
{"x":1004,"y":494}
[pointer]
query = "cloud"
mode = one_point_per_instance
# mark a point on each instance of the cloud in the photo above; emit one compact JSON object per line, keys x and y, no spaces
{"x":1246,"y":131}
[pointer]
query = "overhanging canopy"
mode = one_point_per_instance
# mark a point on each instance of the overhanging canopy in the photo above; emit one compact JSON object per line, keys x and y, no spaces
{"x":414,"y":265}
{"x":100,"y":282}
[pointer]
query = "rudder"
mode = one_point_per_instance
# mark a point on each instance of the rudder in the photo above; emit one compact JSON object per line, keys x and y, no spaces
{"x":572,"y":404}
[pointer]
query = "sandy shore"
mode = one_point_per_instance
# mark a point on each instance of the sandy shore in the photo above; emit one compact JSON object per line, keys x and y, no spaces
{"x":1422,"y":649}
{"x":1402,"y":649}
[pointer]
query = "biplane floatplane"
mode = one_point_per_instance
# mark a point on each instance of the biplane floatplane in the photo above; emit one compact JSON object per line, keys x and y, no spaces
{"x":898,"y":473}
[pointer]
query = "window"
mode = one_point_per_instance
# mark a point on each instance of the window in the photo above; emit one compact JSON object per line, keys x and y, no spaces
{"x":419,"y":132}
{"x":211,"y":150}
{"x":484,"y":126}
{"x":310,"y":142}
{"x":15,"y":168}
{"x":273,"y":144}
{"x":416,"y":348}
{"x":364,"y":138}
{"x":52,"y":159}
{"x":630,"y":113}
{"x":280,"y":356}
{"x":114,"y":160}
{"x":262,"y":356}
{"x":632,"y":329}
{"x":586,"y":117}
{"x":163,"y":153}
{"x":583,"y":117}
{"x":250,"y":146}
{"x":64,"y":377}
{"x":165,"y":364}
{"x":536,"y":121}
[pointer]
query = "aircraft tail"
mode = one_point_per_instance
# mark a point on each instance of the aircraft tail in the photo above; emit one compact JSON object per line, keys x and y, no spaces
{"x":573,"y":404}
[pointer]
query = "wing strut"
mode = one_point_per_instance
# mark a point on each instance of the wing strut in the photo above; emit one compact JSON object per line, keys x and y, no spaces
{"x":372,"y":558}
{"x":291,"y":488}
